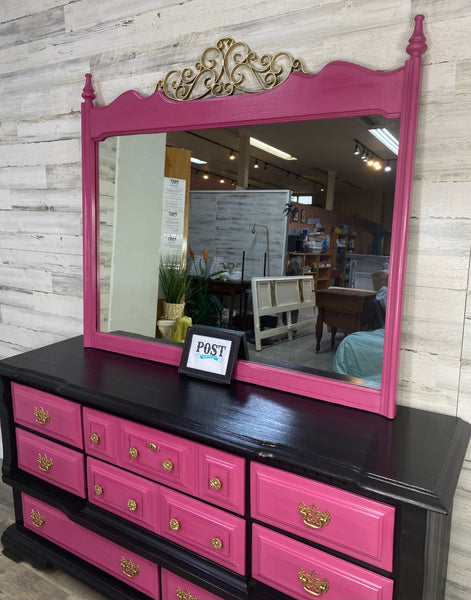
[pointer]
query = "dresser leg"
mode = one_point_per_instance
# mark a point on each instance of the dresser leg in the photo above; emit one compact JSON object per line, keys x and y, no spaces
{"x":16,"y":547}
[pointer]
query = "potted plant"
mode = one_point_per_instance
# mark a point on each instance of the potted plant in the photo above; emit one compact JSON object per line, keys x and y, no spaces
{"x":174,"y":279}
{"x":202,"y":307}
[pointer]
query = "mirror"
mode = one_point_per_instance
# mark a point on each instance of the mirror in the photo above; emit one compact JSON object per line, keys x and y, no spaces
{"x":324,"y":217}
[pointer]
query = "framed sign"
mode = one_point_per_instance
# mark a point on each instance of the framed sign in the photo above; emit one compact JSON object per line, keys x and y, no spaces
{"x":211,"y":353}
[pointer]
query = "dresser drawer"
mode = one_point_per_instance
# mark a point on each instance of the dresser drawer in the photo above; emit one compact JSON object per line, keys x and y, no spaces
{"x":54,"y":416}
{"x":164,"y":457}
{"x":101,"y":434}
{"x":129,"y":567}
{"x":341,"y":520}
{"x":51,"y":461}
{"x":125,"y":494}
{"x":177,"y":588}
{"x":221,"y":479}
{"x":303,"y":572}
{"x":209,"y":531}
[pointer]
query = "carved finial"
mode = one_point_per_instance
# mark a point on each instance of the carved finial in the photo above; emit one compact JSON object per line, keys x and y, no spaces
{"x":417,"y":45}
{"x":88,"y":93}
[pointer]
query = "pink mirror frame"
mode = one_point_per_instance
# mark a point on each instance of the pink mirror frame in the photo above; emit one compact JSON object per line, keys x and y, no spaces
{"x":340,"y":89}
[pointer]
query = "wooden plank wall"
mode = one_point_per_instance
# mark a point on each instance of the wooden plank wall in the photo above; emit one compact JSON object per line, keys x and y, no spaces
{"x":47,"y":45}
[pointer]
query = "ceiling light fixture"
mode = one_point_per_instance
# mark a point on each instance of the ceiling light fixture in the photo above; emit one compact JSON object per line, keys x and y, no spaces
{"x":386,"y":138}
{"x":271,"y":149}
{"x":387,"y":168}
{"x":256,"y":165}
{"x":357,"y":149}
{"x":205,"y":176}
{"x":198,"y":161}
{"x":232,"y":156}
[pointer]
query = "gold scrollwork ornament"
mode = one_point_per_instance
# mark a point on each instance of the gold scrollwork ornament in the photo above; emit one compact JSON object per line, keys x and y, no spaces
{"x":37,"y":518}
{"x":227,"y":68}
{"x":185,"y":594}
{"x":312,"y":516}
{"x":312,"y":584}
{"x":45,"y":463}
{"x":41,"y":415}
{"x":129,"y":568}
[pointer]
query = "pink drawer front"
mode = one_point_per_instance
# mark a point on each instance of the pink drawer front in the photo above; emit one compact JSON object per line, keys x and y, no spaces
{"x":54,"y":416}
{"x":160,"y":456}
{"x":101,"y":434}
{"x":125,"y":494}
{"x":303,"y":572}
{"x":209,"y":531}
{"x":341,"y":520}
{"x":177,"y":588}
{"x":129,"y":567}
{"x":221,"y":479}
{"x":50,"y":461}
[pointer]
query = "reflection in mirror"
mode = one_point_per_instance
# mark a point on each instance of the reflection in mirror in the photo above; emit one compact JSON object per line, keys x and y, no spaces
{"x":300,"y":243}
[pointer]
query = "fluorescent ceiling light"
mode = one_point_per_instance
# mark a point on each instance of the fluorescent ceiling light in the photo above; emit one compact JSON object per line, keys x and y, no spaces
{"x":387,"y":138}
{"x":271,"y":149}
{"x":197,"y":161}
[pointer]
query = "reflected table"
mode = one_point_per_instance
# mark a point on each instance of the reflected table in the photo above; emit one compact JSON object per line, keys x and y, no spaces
{"x":231,"y":289}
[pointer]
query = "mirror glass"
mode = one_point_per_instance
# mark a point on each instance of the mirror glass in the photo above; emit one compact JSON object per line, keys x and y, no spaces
{"x":322,"y":212}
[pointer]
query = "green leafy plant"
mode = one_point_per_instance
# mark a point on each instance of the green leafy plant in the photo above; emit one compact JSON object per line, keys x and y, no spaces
{"x":174,"y":279}
{"x":203,"y":307}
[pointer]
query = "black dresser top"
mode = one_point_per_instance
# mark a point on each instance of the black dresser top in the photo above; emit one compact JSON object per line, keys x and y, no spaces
{"x":415,"y":457}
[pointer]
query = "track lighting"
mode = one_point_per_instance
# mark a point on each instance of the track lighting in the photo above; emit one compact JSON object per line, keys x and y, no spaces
{"x":387,"y":168}
{"x":231,"y":155}
{"x":357,"y":149}
{"x":256,"y":165}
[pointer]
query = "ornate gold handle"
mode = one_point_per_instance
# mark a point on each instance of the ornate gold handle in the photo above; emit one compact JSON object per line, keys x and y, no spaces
{"x":174,"y":524}
{"x":129,"y":569}
{"x":167,"y":465}
{"x":94,"y":438}
{"x":98,"y":490}
{"x":38,"y":519}
{"x":45,"y":463}
{"x":132,"y":504}
{"x":185,"y":594}
{"x":215,"y":483}
{"x":312,"y":584}
{"x":312,"y":516}
{"x":152,"y":446}
{"x":41,"y":416}
{"x":216,"y":543}
{"x":133,"y":452}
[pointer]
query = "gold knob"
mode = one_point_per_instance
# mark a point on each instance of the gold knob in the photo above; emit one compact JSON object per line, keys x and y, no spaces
{"x":98,"y":490}
{"x":94,"y":438}
{"x":133,"y":452}
{"x":215,"y":483}
{"x":167,"y":465}
{"x":129,"y":569}
{"x":152,"y":446}
{"x":38,"y":519}
{"x":312,"y":584}
{"x":216,"y":543}
{"x":132,"y":504}
{"x":45,"y":463}
{"x":174,"y":524}
{"x":312,"y":516}
{"x":185,"y":594}
{"x":41,"y":416}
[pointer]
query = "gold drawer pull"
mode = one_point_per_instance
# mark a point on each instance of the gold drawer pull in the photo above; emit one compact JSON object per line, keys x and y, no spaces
{"x":41,"y":416}
{"x":133,"y":452}
{"x":185,"y":594}
{"x":312,"y":516}
{"x":132,"y":504}
{"x":45,"y":463}
{"x":167,"y":465}
{"x":216,"y":543}
{"x":312,"y":584}
{"x":215,"y":483}
{"x":129,"y":569}
{"x":38,"y":519}
{"x":174,"y":524}
{"x":98,"y":490}
{"x":152,"y":446}
{"x":94,"y":438}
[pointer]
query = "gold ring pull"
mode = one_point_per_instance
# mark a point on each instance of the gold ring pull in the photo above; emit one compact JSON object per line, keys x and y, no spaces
{"x":185,"y":594}
{"x":133,"y":452}
{"x":174,"y":524}
{"x":216,"y":543}
{"x":312,"y":516}
{"x":45,"y":463}
{"x":215,"y":483}
{"x":132,"y":504}
{"x":129,"y":569}
{"x":167,"y":465}
{"x":98,"y":490}
{"x":152,"y":446}
{"x":41,"y":416}
{"x":38,"y":519}
{"x":312,"y":584}
{"x":94,"y":438}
